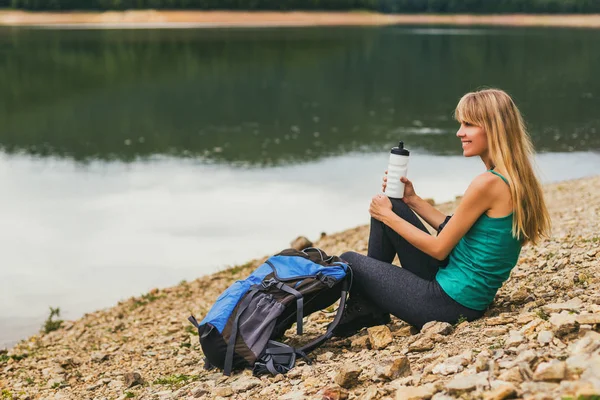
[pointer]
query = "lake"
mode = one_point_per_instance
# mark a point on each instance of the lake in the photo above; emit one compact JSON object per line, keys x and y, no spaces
{"x":134,"y":159}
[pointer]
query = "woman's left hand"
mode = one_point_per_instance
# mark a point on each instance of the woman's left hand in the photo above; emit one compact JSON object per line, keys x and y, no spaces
{"x":380,"y":207}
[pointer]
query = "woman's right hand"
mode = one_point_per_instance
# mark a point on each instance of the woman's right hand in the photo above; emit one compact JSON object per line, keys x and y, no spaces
{"x":409,"y":189}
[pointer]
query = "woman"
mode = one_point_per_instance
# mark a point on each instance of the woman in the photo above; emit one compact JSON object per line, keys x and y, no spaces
{"x":457,"y":273}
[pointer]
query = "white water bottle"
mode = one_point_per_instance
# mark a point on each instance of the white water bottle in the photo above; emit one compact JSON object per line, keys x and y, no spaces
{"x":397,"y":168}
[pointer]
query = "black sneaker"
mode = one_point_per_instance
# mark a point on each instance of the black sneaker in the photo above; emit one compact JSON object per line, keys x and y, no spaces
{"x":357,"y":315}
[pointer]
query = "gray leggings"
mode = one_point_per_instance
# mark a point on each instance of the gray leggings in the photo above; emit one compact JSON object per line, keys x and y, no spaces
{"x":411,"y":292}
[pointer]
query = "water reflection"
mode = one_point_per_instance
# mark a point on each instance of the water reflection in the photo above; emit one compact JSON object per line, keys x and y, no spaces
{"x":278,"y":96}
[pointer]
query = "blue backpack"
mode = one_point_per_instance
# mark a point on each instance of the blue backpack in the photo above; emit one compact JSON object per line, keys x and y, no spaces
{"x":241,"y":328}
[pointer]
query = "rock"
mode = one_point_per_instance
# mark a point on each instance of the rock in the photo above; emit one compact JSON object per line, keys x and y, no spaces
{"x":589,"y":343}
{"x":98,"y":356}
{"x":545,"y":337}
{"x":495,"y":332}
{"x":132,"y":379}
{"x":588,"y":319}
{"x":295,"y":395}
{"x":334,"y":393}
{"x":467,"y":383}
{"x":415,"y":392}
{"x":245,"y":383}
{"x":301,"y":243}
{"x":500,"y":391}
{"x":223,"y":391}
{"x":380,"y":337}
{"x":511,"y":375}
{"x":423,"y":344}
{"x":452,"y":365}
{"x":361,"y":342}
{"x":519,"y":296}
{"x":405,"y":331}
{"x":370,"y":394}
{"x":550,"y":371}
{"x":348,"y":375}
{"x":500,"y":320}
{"x":399,"y":369}
{"x":515,"y":338}
{"x":571,"y":305}
{"x":563,"y":323}
{"x":437,"y":328}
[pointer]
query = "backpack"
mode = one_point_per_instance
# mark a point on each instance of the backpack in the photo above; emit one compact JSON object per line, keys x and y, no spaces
{"x":241,"y":328}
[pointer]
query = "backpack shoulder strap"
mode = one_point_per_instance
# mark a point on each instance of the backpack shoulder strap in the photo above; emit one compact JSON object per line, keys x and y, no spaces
{"x":307,"y":348}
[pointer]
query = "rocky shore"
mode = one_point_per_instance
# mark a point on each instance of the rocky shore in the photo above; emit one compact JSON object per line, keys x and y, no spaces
{"x":540,"y":339}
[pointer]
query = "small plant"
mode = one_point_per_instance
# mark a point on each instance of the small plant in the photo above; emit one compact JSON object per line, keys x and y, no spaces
{"x":144,"y":299}
{"x":175,"y":380}
{"x":191,"y":329}
{"x":460,"y":320}
{"x":6,"y":394}
{"x":56,"y":385}
{"x":52,"y":323}
{"x":4,"y":358}
{"x":129,"y":395}
{"x":542,"y":314}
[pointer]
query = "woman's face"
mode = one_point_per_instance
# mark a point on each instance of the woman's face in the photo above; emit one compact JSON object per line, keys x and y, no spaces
{"x":473,"y":139}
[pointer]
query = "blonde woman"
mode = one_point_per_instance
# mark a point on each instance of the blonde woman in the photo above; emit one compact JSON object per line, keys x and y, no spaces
{"x":457,"y":273}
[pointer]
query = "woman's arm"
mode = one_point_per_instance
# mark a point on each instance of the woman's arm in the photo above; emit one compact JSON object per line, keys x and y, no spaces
{"x":423,"y":209}
{"x":476,"y":201}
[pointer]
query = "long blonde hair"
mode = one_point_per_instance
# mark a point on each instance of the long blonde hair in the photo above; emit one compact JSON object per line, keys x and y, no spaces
{"x":510,"y":149}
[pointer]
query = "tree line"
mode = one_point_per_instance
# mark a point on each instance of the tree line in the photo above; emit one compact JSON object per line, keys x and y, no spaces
{"x":385,"y":6}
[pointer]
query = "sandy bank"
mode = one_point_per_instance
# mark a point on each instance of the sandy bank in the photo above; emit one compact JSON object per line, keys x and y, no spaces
{"x":539,"y":339}
{"x":188,"y":19}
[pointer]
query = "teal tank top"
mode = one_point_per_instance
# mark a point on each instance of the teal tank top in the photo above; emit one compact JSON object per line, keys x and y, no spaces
{"x":481,"y":261}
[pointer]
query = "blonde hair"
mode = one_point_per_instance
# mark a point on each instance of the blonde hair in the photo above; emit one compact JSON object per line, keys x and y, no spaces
{"x":510,"y":149}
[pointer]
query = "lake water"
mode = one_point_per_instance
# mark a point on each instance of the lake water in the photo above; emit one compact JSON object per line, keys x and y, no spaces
{"x":133,"y":159}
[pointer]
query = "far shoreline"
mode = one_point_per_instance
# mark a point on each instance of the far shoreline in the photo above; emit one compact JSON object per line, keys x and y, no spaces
{"x":145,"y":19}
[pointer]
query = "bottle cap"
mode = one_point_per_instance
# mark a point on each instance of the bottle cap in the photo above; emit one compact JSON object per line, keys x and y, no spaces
{"x":400,"y":150}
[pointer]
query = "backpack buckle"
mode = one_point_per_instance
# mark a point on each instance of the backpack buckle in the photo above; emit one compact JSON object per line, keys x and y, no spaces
{"x":268,"y":283}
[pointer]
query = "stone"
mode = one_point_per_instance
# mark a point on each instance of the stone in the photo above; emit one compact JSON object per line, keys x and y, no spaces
{"x":515,"y":338}
{"x":98,"y":356}
{"x":588,"y":319}
{"x":511,"y":375}
{"x":399,"y":369}
{"x":334,"y":393}
{"x":380,"y":337}
{"x":519,"y":296}
{"x":437,"y":328}
{"x":467,"y":383}
{"x":415,"y":392}
{"x":589,"y":343}
{"x":132,"y":379}
{"x":370,"y":394}
{"x":223,"y":391}
{"x":295,"y":395}
{"x":545,"y":337}
{"x":452,"y":365}
{"x":550,"y":371}
{"x":245,"y":383}
{"x":423,"y":344}
{"x":563,"y":323}
{"x":496,"y":331}
{"x":301,"y":243}
{"x":405,"y":331}
{"x":500,"y":391}
{"x":361,"y":342}
{"x":500,"y":320}
{"x":348,"y":375}
{"x":571,"y":305}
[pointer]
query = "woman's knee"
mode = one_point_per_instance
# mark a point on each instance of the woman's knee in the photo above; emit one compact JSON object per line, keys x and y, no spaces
{"x":350,"y":256}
